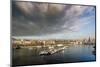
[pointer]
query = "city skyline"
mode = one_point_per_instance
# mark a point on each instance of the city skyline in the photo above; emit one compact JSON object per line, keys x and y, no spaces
{"x":52,"y":21}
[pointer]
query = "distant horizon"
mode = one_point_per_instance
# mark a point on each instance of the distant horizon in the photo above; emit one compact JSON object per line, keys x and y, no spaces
{"x":38,"y":38}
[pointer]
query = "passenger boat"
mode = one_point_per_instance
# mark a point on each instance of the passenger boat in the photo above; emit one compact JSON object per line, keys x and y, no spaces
{"x":44,"y":53}
{"x":51,"y":51}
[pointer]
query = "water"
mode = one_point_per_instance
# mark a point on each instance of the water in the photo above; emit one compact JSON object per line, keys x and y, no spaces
{"x":74,"y":53}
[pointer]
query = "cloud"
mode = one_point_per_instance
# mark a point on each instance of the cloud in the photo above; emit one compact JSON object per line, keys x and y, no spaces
{"x":32,"y":18}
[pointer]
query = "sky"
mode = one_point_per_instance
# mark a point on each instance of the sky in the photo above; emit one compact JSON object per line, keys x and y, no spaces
{"x":35,"y":20}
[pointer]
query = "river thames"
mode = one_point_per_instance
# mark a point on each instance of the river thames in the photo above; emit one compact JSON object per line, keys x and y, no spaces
{"x":73,"y":53}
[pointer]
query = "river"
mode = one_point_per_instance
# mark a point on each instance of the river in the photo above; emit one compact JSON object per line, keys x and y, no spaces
{"x":74,"y":53}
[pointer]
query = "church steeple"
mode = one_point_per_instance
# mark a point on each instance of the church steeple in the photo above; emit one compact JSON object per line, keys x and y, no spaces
{"x":89,"y":40}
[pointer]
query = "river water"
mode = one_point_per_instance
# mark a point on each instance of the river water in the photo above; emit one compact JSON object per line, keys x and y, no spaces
{"x":74,"y":53}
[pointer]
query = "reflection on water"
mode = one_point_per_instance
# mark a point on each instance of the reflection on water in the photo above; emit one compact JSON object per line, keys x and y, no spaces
{"x":74,"y":53}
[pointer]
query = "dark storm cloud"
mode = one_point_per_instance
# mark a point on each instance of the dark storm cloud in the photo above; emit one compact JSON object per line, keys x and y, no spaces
{"x":29,"y":18}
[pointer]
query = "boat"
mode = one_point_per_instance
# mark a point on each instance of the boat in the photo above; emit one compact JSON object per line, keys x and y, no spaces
{"x":44,"y":53}
{"x":51,"y":51}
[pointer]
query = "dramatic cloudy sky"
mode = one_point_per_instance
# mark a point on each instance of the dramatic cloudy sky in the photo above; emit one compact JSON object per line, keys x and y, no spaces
{"x":43,"y":20}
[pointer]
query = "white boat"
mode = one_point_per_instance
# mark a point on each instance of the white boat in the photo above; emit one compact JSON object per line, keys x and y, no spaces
{"x":44,"y":53}
{"x":51,"y":51}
